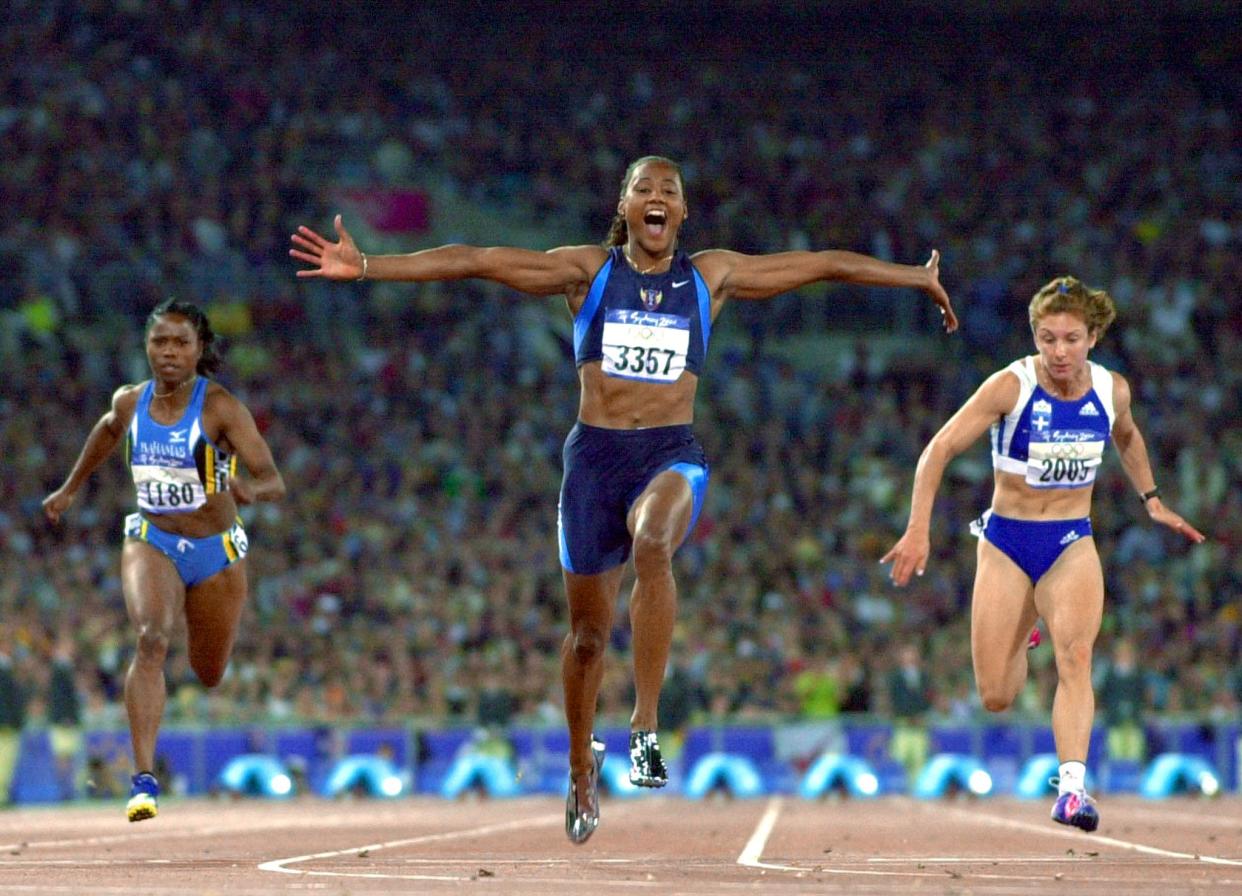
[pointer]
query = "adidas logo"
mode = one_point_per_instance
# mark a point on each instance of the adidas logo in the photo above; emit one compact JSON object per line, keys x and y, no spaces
{"x":1070,"y":537}
{"x":1088,"y":410}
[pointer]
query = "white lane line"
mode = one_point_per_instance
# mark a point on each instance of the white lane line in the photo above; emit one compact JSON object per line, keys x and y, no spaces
{"x":751,"y":853}
{"x":161,"y":830}
{"x":749,"y":856}
{"x":278,"y":865}
{"x":759,"y":838}
{"x":1085,"y":838}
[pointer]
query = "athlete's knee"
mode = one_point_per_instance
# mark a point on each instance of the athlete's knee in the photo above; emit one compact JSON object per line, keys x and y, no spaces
{"x":209,"y":672}
{"x":995,"y":696}
{"x":653,"y":552}
{"x":153,"y":642}
{"x":1074,"y":658}
{"x":588,"y":643}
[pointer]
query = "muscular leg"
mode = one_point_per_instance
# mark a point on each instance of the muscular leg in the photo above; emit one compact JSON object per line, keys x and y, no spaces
{"x":154,"y":597}
{"x":1002,"y":613}
{"x":212,"y":610}
{"x":658,"y":521}
{"x":1070,"y":597}
{"x":591,"y":601}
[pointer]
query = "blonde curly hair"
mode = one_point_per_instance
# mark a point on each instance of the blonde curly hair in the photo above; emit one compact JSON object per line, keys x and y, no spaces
{"x":1069,"y":294}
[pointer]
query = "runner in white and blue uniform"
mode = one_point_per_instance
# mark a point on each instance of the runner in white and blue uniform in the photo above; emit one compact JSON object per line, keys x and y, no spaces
{"x":183,"y":551}
{"x":1051,"y":417}
{"x":635,"y":476}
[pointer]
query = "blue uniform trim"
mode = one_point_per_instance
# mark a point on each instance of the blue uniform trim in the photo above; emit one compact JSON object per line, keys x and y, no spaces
{"x":705,"y":307}
{"x":586,"y":314}
{"x":1034,"y":545}
{"x":696,"y":477}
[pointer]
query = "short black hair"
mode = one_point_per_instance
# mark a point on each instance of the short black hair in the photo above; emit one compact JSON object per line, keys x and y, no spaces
{"x":210,"y":361}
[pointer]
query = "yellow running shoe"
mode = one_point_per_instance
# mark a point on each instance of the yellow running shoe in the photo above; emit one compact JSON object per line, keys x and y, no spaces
{"x":144,"y":797}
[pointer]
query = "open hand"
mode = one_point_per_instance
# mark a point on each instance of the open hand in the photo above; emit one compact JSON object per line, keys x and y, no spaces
{"x":1174,"y":521}
{"x":939,"y":296}
{"x":908,"y":556}
{"x":333,"y":261}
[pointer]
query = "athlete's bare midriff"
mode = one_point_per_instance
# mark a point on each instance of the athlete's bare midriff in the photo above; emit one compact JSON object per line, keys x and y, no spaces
{"x":1013,"y":498}
{"x":614,"y":403}
{"x":216,"y":516}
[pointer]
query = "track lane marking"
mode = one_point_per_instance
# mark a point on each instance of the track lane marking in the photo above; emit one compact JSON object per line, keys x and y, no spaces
{"x":1083,"y":837}
{"x":278,"y":865}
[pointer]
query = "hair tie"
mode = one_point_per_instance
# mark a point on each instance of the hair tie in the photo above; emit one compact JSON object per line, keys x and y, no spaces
{"x":1063,"y":289}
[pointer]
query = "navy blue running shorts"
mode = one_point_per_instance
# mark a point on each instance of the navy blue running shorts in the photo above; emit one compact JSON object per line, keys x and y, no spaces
{"x":605,"y":472}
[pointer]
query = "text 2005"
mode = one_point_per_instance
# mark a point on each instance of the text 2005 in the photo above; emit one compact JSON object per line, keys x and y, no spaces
{"x":1063,"y":470}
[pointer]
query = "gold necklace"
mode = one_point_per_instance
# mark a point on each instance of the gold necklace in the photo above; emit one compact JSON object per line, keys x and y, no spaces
{"x":156,"y":394}
{"x":659,"y":261}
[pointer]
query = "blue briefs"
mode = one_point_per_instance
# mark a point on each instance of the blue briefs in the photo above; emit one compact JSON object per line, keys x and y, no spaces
{"x":605,"y":472}
{"x":1032,"y":544}
{"x":196,"y":559}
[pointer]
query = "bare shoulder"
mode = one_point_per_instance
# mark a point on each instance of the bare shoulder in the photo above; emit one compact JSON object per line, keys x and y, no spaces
{"x":715,"y":266}
{"x":588,"y":259}
{"x":219,"y":399}
{"x":716,"y":262}
{"x":1000,"y":391}
{"x":125,"y":398}
{"x":1121,"y":392}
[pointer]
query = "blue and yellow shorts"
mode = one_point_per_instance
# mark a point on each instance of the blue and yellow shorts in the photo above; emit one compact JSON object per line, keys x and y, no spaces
{"x":196,"y":559}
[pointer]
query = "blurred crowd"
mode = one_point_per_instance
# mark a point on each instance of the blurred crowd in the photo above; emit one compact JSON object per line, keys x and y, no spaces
{"x":412,"y":571}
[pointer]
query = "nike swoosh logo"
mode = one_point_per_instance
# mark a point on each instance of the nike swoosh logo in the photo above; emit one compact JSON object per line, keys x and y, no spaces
{"x":677,"y":284}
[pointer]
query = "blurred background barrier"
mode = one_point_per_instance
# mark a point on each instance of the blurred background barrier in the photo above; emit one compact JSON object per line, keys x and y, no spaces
{"x":736,"y":760}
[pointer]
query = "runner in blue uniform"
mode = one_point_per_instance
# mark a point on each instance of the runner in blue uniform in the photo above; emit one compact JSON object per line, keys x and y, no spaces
{"x":1051,"y":415}
{"x":635,"y":475}
{"x":183,"y":551}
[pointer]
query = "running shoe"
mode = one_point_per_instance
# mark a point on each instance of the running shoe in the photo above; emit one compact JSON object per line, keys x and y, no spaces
{"x":1035,"y":639}
{"x":582,"y":803}
{"x":1077,"y":809}
{"x":646,"y":763}
{"x":144,"y":797}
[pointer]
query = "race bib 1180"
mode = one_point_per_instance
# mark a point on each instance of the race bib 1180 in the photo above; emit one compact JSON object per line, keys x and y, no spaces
{"x":643,"y":345}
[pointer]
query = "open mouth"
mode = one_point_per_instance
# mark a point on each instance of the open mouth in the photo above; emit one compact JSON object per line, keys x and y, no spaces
{"x":655,"y":220}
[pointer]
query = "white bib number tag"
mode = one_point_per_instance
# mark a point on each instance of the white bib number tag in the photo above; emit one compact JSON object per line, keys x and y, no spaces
{"x":1063,"y":463}
{"x":168,"y":489}
{"x":643,"y":345}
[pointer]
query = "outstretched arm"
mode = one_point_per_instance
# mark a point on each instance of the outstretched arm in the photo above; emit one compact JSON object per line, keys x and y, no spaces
{"x":733,"y":274}
{"x":994,"y":398}
{"x":1134,"y":460}
{"x":103,"y":438}
{"x":565,"y":270}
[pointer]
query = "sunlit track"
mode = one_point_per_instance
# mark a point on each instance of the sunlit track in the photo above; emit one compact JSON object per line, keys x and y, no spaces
{"x":660,"y":844}
{"x":1098,"y":839}
{"x":167,"y":828}
{"x":281,"y":865}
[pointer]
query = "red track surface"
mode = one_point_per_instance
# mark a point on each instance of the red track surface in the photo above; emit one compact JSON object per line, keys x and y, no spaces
{"x":654,"y":845}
